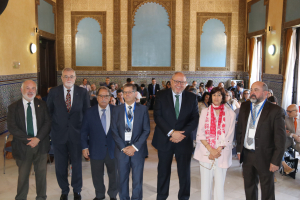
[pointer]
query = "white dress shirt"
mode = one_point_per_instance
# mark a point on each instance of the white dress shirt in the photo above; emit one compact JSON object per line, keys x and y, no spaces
{"x":87,"y":87}
{"x":33,"y":115}
{"x":252,"y":146}
{"x":174,"y":101}
{"x":114,"y":93}
{"x":127,"y":109}
{"x":107,"y":112}
{"x":71,"y":93}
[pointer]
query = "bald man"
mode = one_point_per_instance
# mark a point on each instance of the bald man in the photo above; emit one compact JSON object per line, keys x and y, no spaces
{"x":260,"y":142}
{"x":176,"y":116}
{"x":28,"y":121}
{"x":292,"y":123}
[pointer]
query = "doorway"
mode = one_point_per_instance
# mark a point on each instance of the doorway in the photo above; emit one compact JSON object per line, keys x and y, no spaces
{"x":47,"y":75}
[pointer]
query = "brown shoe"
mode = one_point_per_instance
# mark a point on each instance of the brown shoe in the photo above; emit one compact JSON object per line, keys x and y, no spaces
{"x":288,"y":170}
{"x":275,"y":179}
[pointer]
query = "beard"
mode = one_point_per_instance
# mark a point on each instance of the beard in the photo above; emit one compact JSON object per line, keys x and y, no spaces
{"x":254,"y":99}
{"x":25,"y":96}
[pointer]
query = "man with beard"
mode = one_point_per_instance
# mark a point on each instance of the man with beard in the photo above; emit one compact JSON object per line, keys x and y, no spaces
{"x":28,"y":121}
{"x":67,"y":104}
{"x":260,"y":142}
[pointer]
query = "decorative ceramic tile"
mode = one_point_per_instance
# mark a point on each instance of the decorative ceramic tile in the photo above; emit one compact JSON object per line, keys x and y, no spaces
{"x":275,"y":83}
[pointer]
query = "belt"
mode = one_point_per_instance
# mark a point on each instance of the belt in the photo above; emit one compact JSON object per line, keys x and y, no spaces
{"x":250,"y":150}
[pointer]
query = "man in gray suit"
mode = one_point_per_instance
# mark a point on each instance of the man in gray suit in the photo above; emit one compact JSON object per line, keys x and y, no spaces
{"x":292,"y":123}
{"x":130,"y":127}
{"x":28,"y":121}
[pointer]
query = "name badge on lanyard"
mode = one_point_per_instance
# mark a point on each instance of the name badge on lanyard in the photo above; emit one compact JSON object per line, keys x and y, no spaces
{"x":252,"y":131}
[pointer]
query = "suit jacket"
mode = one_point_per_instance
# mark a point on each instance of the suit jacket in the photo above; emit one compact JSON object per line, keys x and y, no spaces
{"x":201,"y":152}
{"x":144,"y":92}
{"x":150,"y":89}
{"x":117,"y":102}
{"x":17,"y":127}
{"x":140,"y":130}
{"x":66,"y":126}
{"x":94,"y":137}
{"x":289,"y":123}
{"x":270,"y":134}
{"x":165,"y":119}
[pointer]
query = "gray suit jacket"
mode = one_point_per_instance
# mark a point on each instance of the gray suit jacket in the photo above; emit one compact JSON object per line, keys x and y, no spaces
{"x":17,"y":127}
{"x":289,"y":122}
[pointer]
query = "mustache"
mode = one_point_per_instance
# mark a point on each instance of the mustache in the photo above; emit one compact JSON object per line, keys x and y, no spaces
{"x":253,"y":95}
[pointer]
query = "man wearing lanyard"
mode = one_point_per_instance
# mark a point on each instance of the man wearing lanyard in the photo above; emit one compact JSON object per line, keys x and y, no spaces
{"x":260,"y":142}
{"x":130,"y":130}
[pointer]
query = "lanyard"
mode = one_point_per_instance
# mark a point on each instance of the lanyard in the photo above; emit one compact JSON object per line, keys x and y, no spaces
{"x":129,"y":121}
{"x":205,"y":104}
{"x":258,"y":111}
{"x":231,"y":106}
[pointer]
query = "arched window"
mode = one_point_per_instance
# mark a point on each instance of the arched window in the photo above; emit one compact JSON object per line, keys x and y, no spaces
{"x":213,"y":44}
{"x":88,"y":43}
{"x":151,"y":37}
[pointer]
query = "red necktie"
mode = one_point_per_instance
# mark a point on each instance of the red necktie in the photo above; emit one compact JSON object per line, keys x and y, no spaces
{"x":295,"y":124}
{"x":68,"y":101}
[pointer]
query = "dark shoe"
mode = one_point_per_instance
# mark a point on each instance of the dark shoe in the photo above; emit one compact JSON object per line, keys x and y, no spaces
{"x":99,"y":198}
{"x":77,"y":196}
{"x":63,"y":197}
{"x":113,"y":199}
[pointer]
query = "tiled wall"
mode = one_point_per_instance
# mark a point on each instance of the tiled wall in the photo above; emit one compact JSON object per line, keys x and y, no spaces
{"x":275,"y":83}
{"x":10,"y":91}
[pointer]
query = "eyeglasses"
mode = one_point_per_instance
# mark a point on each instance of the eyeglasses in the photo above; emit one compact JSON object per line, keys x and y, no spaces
{"x":67,"y":77}
{"x":179,"y":82}
{"x":104,"y":96}
{"x":289,"y":111}
{"x":129,"y":92}
{"x":246,"y":93}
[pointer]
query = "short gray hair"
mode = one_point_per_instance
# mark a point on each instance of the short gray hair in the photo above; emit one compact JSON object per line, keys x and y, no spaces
{"x":230,"y":93}
{"x":265,"y":87}
{"x":67,"y":69}
{"x":28,"y":80}
{"x":103,"y":88}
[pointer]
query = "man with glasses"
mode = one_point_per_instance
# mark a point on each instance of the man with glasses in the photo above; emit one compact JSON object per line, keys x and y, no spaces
{"x":176,"y":116}
{"x":98,"y":144}
{"x":130,"y":130}
{"x":67,"y":104}
{"x":153,"y":89}
{"x":292,"y":123}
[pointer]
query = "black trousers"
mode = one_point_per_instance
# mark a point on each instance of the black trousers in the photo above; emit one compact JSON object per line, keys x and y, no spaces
{"x":62,"y":153}
{"x":97,"y":168}
{"x":164,"y":173}
{"x":253,"y":173}
{"x":39,"y":162}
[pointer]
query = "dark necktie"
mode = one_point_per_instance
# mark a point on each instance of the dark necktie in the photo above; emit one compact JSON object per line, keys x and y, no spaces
{"x":103,"y":120}
{"x":153,"y":89}
{"x":68,"y":101}
{"x":129,"y":113}
{"x":30,"y":131}
{"x":177,"y":106}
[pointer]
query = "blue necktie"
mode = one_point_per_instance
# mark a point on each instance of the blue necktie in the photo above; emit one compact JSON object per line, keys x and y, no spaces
{"x":153,"y":89}
{"x":103,"y":120}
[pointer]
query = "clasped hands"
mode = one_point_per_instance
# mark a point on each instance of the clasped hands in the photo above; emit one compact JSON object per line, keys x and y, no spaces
{"x":215,"y":153}
{"x":34,"y":141}
{"x":129,"y":151}
{"x":177,"y":136}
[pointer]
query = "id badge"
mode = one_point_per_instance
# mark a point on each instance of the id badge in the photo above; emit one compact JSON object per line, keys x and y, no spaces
{"x":251,"y":133}
{"x":128,"y":136}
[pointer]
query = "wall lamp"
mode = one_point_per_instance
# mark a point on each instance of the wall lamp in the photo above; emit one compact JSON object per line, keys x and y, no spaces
{"x":272,"y":49}
{"x":32,"y":48}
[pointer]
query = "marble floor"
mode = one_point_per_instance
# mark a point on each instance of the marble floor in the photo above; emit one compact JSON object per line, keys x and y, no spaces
{"x":286,"y":187}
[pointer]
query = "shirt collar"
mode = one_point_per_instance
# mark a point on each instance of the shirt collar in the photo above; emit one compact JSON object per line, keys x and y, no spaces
{"x":260,"y":104}
{"x":100,"y":109}
{"x":176,"y":94}
{"x":72,"y":88}
{"x":132,"y":105}
{"x":26,"y":102}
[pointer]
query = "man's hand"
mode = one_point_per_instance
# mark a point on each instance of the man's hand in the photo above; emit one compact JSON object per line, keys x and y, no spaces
{"x":122,"y":100}
{"x":86,"y":153}
{"x":273,"y":168}
{"x":129,"y":151}
{"x":296,"y":137}
{"x":239,"y":156}
{"x":177,"y":136}
{"x":33,"y":142}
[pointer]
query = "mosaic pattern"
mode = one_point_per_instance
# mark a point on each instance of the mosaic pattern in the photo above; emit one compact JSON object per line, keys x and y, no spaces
{"x":10,"y":92}
{"x":275,"y":83}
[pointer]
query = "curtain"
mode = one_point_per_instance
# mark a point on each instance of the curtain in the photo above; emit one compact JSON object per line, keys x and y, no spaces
{"x":254,"y":74}
{"x":251,"y":48}
{"x":298,"y":83}
{"x":289,"y":72}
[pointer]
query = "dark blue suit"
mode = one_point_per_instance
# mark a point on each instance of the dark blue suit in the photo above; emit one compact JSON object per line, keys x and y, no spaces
{"x":140,"y":133}
{"x":65,"y":134}
{"x":101,"y":149}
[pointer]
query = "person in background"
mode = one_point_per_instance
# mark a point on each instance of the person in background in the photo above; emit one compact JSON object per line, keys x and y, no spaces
{"x":153,"y":89}
{"x":113,"y":90}
{"x":239,"y":91}
{"x":29,"y":123}
{"x":45,"y":97}
{"x":85,"y":85}
{"x":204,"y":103}
{"x":201,"y":84}
{"x":194,"y":84}
{"x":209,"y":86}
{"x":116,"y":86}
{"x":270,"y":93}
{"x":221,"y":85}
{"x":144,"y":91}
{"x":98,"y":144}
{"x":273,"y":100}
{"x":214,"y":144}
{"x":112,"y":101}
{"x":38,"y":97}
{"x":120,"y":99}
{"x":201,"y":91}
{"x":163,"y":83}
{"x":230,"y":102}
{"x":245,"y":96}
{"x":128,"y":80}
{"x":106,"y":83}
{"x":232,"y":85}
{"x":168,"y":85}
{"x":93,"y":95}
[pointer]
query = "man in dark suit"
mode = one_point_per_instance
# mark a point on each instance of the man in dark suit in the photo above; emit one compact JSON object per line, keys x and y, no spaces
{"x":260,"y":142}
{"x":130,"y":129}
{"x":120,"y":98}
{"x":144,"y":91}
{"x":106,"y":83}
{"x":152,"y":90}
{"x":67,"y":104}
{"x":98,"y":144}
{"x":176,"y":116}
{"x":28,"y":121}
